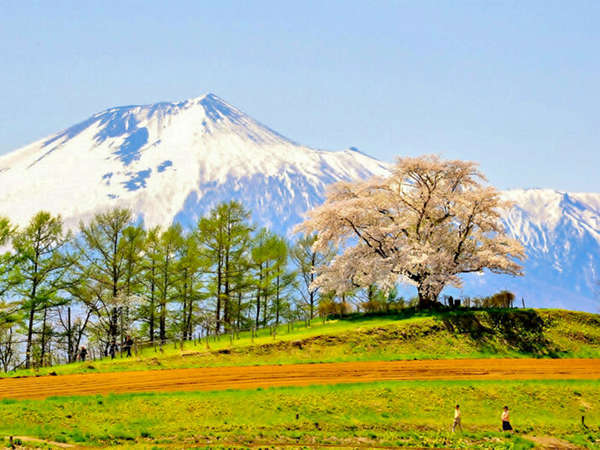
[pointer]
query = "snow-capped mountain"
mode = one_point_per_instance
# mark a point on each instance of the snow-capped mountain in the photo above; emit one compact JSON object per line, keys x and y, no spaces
{"x":174,"y":161}
{"x":561,"y":233}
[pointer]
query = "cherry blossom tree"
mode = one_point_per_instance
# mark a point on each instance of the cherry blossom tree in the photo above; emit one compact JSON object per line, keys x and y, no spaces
{"x":428,"y":222}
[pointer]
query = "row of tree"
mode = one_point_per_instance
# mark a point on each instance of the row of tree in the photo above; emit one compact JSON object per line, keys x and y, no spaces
{"x":115,"y":278}
{"x":427,"y":223}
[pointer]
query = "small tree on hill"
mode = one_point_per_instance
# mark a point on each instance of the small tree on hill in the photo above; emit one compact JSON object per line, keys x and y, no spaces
{"x":427,"y":223}
{"x":307,"y":261}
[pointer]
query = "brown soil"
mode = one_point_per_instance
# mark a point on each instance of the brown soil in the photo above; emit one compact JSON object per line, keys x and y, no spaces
{"x":549,"y":442}
{"x":220,"y":378}
{"x":27,"y":441}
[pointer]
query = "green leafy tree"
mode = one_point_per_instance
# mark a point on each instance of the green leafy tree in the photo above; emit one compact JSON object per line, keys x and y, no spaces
{"x":9,"y":316}
{"x":269,"y":257}
{"x":103,"y":263}
{"x":149,"y":279}
{"x":224,"y":237}
{"x":40,"y":268}
{"x":190,"y":263}
{"x":7,"y":257}
{"x":307,"y":261}
{"x":170,"y":243}
{"x":132,"y":247}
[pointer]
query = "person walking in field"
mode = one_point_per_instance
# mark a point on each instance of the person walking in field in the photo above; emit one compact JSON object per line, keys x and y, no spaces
{"x":82,"y":353}
{"x":456,"y":422}
{"x":506,"y":420}
{"x":127,"y":345}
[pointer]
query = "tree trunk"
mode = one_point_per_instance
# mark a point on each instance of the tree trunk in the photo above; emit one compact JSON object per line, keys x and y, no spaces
{"x":188,"y":315}
{"x":258,"y":288}
{"x":163,"y":321}
{"x":227,"y":305}
{"x":265,"y":295}
{"x":29,"y":337}
{"x":219,"y":281}
{"x":113,"y":328}
{"x":69,"y":337}
{"x":257,"y":321}
{"x":277,"y":304}
{"x":31,"y":315}
{"x":184,"y":323}
{"x":151,"y":325}
{"x":428,"y":297}
{"x":43,"y":344}
{"x":239,"y":311}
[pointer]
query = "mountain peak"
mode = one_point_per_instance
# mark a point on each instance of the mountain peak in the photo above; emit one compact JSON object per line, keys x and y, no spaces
{"x":171,"y":161}
{"x":209,"y":97}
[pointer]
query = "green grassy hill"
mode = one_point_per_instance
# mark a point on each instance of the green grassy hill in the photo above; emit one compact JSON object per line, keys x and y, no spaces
{"x":385,"y":414}
{"x":407,"y":335}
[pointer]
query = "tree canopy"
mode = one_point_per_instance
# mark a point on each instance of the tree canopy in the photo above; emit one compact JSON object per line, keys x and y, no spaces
{"x":428,"y":222}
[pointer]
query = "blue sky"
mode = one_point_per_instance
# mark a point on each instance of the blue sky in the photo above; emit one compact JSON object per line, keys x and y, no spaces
{"x":512,"y":85}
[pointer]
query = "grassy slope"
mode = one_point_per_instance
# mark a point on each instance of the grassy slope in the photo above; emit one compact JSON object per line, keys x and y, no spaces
{"x":458,"y":334}
{"x":390,"y":413}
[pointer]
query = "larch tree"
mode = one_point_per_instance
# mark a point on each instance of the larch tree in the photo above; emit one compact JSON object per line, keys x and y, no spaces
{"x":190,"y":262}
{"x":224,"y":237}
{"x":9,"y":316}
{"x":284,"y":279}
{"x":6,"y":230}
{"x":150,"y":263}
{"x":235,"y":220}
{"x":102,"y":262}
{"x":132,"y":246}
{"x":7,"y":257}
{"x":269,"y":258}
{"x":307,"y":261}
{"x":40,"y":268}
{"x":170,"y":243}
{"x":427,"y":223}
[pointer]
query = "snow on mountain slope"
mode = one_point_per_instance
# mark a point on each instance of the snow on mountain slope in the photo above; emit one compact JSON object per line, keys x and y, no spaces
{"x":169,"y":161}
{"x":561,"y":232}
{"x":174,"y":161}
{"x":561,"y":235}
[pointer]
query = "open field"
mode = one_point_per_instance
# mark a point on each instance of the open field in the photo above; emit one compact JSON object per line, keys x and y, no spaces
{"x":386,"y":381}
{"x":206,"y":379}
{"x":410,"y":335}
{"x":408,"y":413}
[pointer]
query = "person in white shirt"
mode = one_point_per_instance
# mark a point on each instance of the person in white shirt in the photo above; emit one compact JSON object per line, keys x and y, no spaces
{"x":506,"y":420}
{"x":456,"y":422}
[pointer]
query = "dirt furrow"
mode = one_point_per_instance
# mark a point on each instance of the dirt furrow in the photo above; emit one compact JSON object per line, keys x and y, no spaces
{"x":220,"y":378}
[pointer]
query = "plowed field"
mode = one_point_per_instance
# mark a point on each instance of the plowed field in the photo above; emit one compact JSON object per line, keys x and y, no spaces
{"x":221,"y":378}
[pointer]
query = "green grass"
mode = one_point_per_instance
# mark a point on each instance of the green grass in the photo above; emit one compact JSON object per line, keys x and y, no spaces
{"x":385,"y":414}
{"x":409,"y":335}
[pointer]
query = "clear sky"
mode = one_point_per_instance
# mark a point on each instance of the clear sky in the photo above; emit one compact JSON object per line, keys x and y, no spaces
{"x":512,"y":85}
